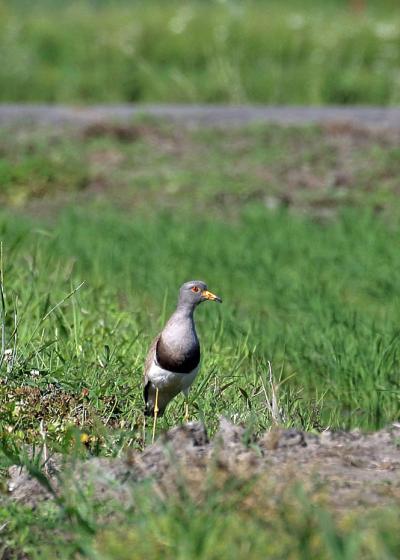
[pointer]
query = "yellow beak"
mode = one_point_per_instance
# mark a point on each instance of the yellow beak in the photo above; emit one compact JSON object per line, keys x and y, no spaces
{"x":209,"y":295}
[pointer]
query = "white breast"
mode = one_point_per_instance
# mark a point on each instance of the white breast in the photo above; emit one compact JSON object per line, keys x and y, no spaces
{"x":170,"y":381}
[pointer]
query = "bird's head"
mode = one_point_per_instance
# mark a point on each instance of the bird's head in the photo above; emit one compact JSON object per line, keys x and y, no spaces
{"x":194,"y":292}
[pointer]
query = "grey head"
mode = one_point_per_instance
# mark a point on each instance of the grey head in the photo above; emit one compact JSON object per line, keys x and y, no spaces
{"x":194,"y":292}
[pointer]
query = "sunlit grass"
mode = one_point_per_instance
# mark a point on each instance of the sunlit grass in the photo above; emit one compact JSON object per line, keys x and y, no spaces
{"x":315,"y":295}
{"x":319,"y":301}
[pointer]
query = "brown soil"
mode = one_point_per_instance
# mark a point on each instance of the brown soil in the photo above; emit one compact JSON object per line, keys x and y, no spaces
{"x":347,"y":470}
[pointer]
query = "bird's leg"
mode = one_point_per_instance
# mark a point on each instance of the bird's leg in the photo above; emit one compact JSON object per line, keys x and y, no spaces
{"x":186,"y":411}
{"x":156,"y":409}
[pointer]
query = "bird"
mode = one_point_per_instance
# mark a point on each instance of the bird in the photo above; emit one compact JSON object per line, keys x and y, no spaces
{"x":173,"y":359}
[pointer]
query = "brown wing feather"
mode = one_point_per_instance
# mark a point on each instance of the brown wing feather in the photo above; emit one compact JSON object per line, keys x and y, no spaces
{"x":149,"y":359}
{"x":146,"y":382}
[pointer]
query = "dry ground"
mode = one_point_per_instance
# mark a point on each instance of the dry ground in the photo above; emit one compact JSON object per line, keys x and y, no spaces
{"x":345,"y":470}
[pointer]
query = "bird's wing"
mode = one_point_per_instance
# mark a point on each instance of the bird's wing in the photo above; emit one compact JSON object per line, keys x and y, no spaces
{"x":149,"y":359}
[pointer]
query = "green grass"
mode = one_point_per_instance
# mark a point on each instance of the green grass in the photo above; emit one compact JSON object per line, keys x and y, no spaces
{"x":313,"y":292}
{"x":320,"y":302}
{"x":309,"y":52}
{"x":316,"y":295}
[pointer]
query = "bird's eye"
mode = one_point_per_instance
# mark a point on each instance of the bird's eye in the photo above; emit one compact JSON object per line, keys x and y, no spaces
{"x":195,"y":289}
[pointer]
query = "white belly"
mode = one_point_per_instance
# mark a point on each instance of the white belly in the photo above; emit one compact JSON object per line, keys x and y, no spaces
{"x":169,"y":381}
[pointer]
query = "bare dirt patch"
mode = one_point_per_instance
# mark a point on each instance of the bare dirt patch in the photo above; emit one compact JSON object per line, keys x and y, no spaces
{"x":346,"y":470}
{"x":132,"y":166}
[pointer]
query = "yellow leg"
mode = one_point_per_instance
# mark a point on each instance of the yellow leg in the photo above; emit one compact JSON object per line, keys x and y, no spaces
{"x":156,"y":409}
{"x":186,"y":412}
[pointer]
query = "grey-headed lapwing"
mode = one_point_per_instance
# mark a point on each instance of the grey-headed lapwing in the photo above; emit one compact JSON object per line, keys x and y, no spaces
{"x":173,"y":360}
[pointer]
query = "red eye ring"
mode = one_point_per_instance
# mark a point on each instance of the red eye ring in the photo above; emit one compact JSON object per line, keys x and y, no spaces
{"x":195,"y":289}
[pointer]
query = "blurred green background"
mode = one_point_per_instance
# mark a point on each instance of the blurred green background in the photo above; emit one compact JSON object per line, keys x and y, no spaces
{"x":292,"y":52}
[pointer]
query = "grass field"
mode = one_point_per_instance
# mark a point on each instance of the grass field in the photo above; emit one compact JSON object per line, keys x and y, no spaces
{"x":290,"y":226}
{"x":292,"y":52}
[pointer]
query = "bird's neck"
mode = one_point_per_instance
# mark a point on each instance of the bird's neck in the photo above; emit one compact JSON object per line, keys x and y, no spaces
{"x":183,"y":312}
{"x":180,"y":328}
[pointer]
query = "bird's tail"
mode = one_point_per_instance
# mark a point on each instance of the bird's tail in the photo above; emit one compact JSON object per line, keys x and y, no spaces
{"x":149,"y":405}
{"x":149,"y":411}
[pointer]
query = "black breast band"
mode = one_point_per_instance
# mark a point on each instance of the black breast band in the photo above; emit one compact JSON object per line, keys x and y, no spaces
{"x":183,"y":363}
